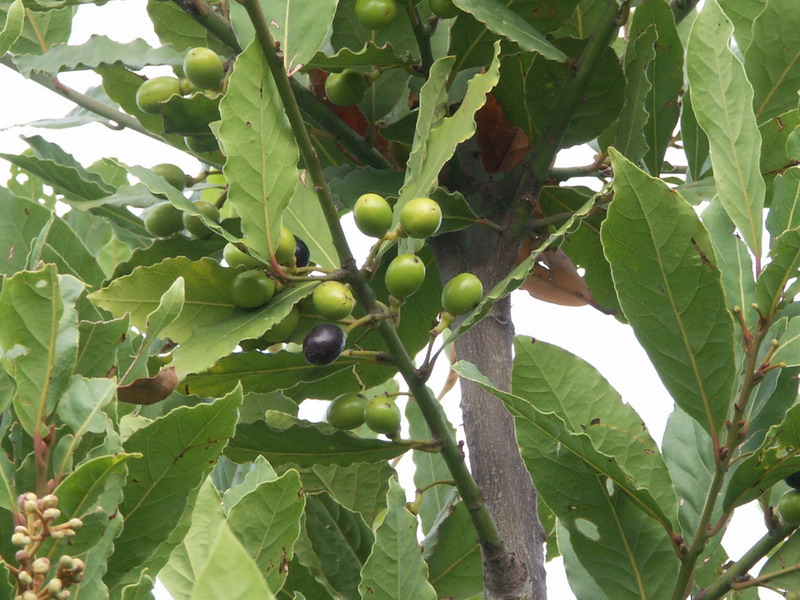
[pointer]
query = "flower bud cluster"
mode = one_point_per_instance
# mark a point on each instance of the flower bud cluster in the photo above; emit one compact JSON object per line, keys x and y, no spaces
{"x":35,"y":524}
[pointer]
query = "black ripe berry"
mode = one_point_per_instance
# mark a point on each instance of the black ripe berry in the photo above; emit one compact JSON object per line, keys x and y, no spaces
{"x":301,"y":253}
{"x":793,"y":480}
{"x":323,"y":344}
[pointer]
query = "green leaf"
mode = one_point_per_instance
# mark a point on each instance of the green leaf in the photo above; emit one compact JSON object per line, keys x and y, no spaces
{"x":209,"y":342}
{"x":788,"y":349}
{"x":229,"y":572}
{"x":395,"y":569}
{"x":773,"y":68}
{"x":301,"y":579}
{"x":454,"y":562}
{"x":304,"y":217}
{"x":774,"y":460}
{"x":179,"y":450}
{"x":299,"y":27}
{"x":553,"y":380}
{"x":180,"y":574}
{"x":600,"y":104}
{"x":695,"y":140}
{"x":338,"y":541}
{"x":787,"y":555}
{"x":12,"y":29}
{"x":207,"y":294}
{"x":259,"y":471}
{"x":92,"y":493}
{"x":783,"y":265}
{"x":517,"y":276}
{"x":733,"y":260}
{"x":53,"y":26}
{"x":81,"y":408}
{"x":743,"y":13}
{"x":549,"y":430}
{"x":97,"y":51}
{"x":360,"y":487}
{"x":371,"y":55}
{"x":665,"y":73}
{"x":784,"y":213}
{"x":722,"y":100}
{"x":160,"y":249}
{"x":689,"y":455}
{"x":98,"y":346}
{"x":306,"y":444}
{"x":629,"y":138}
{"x":671,"y":293}
{"x":611,"y":520}
{"x":261,"y":150}
{"x":175,"y":26}
{"x":8,"y":493}
{"x":267,"y":522}
{"x":774,"y":396}
{"x":501,"y":20}
{"x":190,"y":115}
{"x":775,"y":134}
{"x":429,"y":467}
{"x":39,"y":339}
{"x":436,"y":138}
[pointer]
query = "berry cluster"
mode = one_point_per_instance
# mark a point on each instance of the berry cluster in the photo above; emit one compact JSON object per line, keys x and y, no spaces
{"x":379,"y":413}
{"x":36,"y":523}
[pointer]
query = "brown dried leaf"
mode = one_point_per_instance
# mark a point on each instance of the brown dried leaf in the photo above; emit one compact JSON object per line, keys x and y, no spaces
{"x":502,"y":145}
{"x":149,"y":390}
{"x":556,"y":280}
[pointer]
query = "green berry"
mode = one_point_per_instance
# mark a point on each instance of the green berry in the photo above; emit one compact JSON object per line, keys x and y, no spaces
{"x":194,"y":224}
{"x":252,"y":289}
{"x":172,"y":173}
{"x":405,"y":275}
{"x":462,"y":293}
{"x":347,"y":411}
{"x":333,"y":300}
{"x":373,"y":215}
{"x":421,"y":217}
{"x":154,"y":91}
{"x":162,"y":220}
{"x":382,"y":415}
{"x":204,"y":68}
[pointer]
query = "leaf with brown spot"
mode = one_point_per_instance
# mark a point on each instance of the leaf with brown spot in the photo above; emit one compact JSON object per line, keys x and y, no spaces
{"x":149,"y":390}
{"x":556,"y":280}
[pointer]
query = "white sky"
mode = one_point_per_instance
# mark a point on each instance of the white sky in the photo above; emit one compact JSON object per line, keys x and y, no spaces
{"x":597,"y":338}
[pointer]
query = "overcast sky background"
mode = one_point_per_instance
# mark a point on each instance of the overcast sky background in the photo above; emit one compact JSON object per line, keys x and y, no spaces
{"x":597,"y":338}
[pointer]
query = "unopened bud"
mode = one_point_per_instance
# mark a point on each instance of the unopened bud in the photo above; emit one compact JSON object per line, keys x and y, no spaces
{"x":57,"y":534}
{"x":31,"y":496}
{"x":54,"y":586}
{"x":79,"y":566}
{"x":49,"y":501}
{"x":20,"y":539}
{"x":66,"y":563}
{"x":24,"y":578}
{"x":22,"y":556}
{"x":41,"y":565}
{"x":77,"y":577}
{"x":51,"y":514}
{"x":75,"y":523}
{"x":28,"y":595}
{"x":68,"y":532}
{"x":30,"y":506}
{"x":21,"y":529}
{"x":64,"y":595}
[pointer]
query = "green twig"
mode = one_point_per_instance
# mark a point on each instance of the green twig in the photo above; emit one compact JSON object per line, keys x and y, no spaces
{"x":212,"y":21}
{"x":423,"y":37}
{"x":724,"y":582}
{"x":122,"y":120}
{"x":468,"y":489}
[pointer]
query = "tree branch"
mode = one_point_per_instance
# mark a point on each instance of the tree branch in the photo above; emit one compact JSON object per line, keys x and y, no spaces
{"x":468,"y":489}
{"x":740,"y":568}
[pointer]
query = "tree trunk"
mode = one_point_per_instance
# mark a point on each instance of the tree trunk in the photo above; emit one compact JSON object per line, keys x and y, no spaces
{"x":493,"y":453}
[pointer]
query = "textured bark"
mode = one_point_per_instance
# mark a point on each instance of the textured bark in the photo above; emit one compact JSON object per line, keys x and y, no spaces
{"x":494,"y":456}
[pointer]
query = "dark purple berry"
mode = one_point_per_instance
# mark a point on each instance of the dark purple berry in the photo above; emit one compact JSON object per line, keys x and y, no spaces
{"x":323,"y":344}
{"x":793,"y":480}
{"x":301,"y":253}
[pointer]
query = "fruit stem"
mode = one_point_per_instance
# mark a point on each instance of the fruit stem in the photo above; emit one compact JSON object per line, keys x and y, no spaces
{"x":485,"y":527}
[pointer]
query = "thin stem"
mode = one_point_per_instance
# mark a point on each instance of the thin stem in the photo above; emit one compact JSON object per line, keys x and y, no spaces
{"x":425,"y":488}
{"x":122,"y":119}
{"x":759,"y":581}
{"x":760,"y":549}
{"x":212,"y":21}
{"x":423,"y":37}
{"x":437,"y":423}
